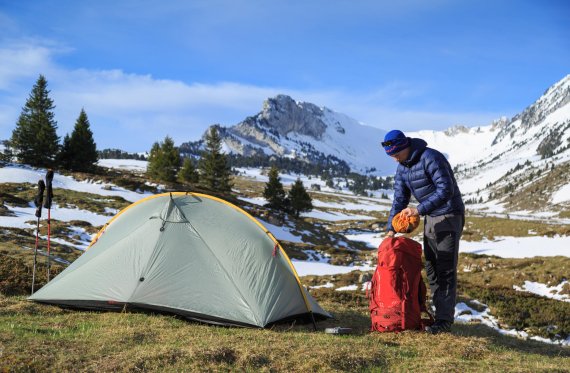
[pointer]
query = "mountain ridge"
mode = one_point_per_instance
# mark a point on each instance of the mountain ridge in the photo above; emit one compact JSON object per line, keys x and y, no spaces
{"x":294,"y":129}
{"x":510,"y":160}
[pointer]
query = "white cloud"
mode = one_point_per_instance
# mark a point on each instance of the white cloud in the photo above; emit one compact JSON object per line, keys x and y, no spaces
{"x":131,"y":111}
{"x":22,"y":60}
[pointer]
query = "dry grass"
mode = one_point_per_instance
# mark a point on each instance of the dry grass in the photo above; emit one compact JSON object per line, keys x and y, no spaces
{"x":63,"y":340}
{"x":480,"y":227}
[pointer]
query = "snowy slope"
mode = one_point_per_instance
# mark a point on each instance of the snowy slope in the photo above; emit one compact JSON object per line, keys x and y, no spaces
{"x":357,"y":144}
{"x":461,"y":144}
{"x":124,"y":164}
{"x":514,"y":139}
{"x":490,"y":155}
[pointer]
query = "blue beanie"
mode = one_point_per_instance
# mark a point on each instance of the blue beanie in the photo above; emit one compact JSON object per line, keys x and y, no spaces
{"x":395,"y":141}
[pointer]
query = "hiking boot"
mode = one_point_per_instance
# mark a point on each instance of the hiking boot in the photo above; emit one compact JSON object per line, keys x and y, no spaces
{"x":439,"y":326}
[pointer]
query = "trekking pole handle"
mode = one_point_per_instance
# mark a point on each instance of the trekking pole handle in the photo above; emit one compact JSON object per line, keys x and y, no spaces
{"x":39,"y":200}
{"x":49,"y":194}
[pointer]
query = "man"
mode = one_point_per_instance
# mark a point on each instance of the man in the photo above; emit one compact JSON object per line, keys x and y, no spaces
{"x":426,"y":174}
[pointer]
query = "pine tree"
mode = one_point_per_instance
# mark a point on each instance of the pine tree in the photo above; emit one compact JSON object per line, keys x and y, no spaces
{"x":215,"y":173}
{"x":65,"y":155}
{"x":274,"y":192}
{"x":299,"y":198}
{"x":164,"y":161}
{"x":34,"y":140}
{"x":79,"y":152}
{"x":188,"y":173}
{"x":154,"y":161}
{"x":6,"y":153}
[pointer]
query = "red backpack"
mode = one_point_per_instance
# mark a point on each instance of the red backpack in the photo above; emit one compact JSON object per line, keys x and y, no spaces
{"x":397,"y":295}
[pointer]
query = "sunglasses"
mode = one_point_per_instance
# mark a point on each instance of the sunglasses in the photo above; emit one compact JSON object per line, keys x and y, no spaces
{"x":388,"y":143}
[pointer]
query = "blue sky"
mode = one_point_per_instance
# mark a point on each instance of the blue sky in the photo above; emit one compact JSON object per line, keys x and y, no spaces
{"x":145,"y":69}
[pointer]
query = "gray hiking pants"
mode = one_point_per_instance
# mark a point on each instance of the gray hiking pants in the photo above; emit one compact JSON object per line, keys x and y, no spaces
{"x":441,"y":250}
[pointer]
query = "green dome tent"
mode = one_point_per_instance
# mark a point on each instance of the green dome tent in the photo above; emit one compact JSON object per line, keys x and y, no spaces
{"x":189,"y":254}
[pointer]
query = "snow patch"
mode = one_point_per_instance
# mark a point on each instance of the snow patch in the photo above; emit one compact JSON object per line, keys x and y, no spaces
{"x":305,"y":268}
{"x":347,"y":288}
{"x":328,"y":285}
{"x":27,"y":214}
{"x":519,"y":247}
{"x":552,"y":292}
{"x":124,"y":164}
{"x":24,"y":174}
{"x":465,"y":314}
{"x":562,"y":195}
{"x":334,"y":216}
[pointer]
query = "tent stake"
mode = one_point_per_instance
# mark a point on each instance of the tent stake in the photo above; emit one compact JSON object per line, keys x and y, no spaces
{"x":314,"y":323}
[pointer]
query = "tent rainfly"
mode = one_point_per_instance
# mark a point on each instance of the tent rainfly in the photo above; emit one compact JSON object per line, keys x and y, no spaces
{"x":189,"y":254}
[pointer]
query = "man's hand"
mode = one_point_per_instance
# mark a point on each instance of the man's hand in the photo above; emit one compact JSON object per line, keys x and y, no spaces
{"x":410,"y":211}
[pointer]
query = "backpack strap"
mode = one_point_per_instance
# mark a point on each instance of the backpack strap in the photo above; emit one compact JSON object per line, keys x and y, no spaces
{"x":423,"y":308}
{"x":405,"y":290}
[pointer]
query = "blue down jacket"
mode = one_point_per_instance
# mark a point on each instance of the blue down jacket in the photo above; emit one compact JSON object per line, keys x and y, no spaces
{"x":426,"y":175}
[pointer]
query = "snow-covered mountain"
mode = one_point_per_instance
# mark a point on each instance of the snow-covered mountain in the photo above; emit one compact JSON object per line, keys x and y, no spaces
{"x":291,"y":129}
{"x":542,"y":130}
{"x":523,"y":162}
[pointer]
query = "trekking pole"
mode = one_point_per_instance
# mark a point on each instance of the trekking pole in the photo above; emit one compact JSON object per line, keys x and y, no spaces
{"x":38,"y":201}
{"x":47,"y":205}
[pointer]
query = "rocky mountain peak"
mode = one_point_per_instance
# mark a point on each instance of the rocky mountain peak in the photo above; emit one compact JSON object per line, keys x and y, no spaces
{"x":499,"y":123}
{"x":452,"y":131}
{"x":285,"y":115}
{"x":553,"y":99}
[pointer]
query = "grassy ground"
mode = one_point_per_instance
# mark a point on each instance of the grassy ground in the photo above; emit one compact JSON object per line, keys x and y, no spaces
{"x":479,"y":227}
{"x":489,"y":280}
{"x":36,"y":337}
{"x":20,"y":243}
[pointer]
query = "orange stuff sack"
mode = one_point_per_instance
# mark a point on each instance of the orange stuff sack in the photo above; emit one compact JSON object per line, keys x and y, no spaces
{"x":405,"y":224}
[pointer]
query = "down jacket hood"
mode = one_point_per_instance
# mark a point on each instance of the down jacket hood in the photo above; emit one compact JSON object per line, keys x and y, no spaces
{"x":417,"y":148}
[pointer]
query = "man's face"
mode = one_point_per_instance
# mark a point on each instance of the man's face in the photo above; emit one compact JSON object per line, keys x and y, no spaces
{"x":401,"y":156}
